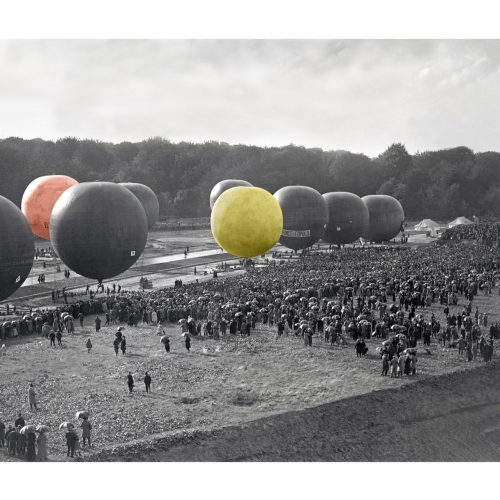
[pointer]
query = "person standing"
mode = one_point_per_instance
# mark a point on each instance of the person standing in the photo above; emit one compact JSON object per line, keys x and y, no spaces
{"x":80,"y":317}
{"x":97,"y":323}
{"x":116,"y":345}
{"x":42,"y":447}
{"x":147,"y":382}
{"x":59,"y":338}
{"x":2,"y":434}
{"x":21,"y":442}
{"x":12,"y":438}
{"x":70,"y":441}
{"x":32,"y":397}
{"x":19,"y":421}
{"x":394,"y":366}
{"x":86,"y":428}
{"x":187,"y":342}
{"x":130,"y":382}
{"x":52,"y":336}
{"x":88,"y":345}
{"x":31,"y":450}
{"x":123,"y":345}
{"x":166,"y":342}
{"x":385,"y":363}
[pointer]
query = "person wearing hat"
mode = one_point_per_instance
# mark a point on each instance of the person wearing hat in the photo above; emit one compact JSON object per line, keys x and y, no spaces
{"x":86,"y":428}
{"x":12,"y":438}
{"x":71,"y":438}
{"x":31,"y":397}
{"x":19,"y":421}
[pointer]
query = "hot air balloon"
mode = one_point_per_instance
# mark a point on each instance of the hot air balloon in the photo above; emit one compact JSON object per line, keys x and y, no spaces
{"x":148,"y":199}
{"x":222,"y":186}
{"x":246,"y":221}
{"x":40,"y":197}
{"x":98,"y":229}
{"x":305,"y":216}
{"x":348,"y":218}
{"x":16,"y":248}
{"x":386,"y":217}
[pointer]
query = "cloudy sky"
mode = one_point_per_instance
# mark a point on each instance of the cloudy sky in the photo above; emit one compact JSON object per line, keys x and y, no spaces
{"x":355,"y":95}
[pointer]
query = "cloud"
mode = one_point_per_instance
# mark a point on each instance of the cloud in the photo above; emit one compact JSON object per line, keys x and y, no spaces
{"x":359,"y":95}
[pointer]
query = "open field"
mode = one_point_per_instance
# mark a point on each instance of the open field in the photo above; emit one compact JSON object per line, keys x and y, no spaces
{"x":221,"y":383}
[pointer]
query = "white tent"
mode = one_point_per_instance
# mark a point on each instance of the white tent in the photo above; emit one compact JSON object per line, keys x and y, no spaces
{"x":460,"y":220}
{"x":427,"y":225}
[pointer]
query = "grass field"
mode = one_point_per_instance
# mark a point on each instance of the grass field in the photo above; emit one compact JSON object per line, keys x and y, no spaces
{"x":220,"y":383}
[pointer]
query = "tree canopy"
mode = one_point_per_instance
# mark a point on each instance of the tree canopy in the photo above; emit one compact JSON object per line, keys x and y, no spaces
{"x":434,"y":184}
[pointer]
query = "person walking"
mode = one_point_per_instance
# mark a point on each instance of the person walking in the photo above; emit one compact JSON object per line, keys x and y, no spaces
{"x":86,"y":428}
{"x":32,"y":397}
{"x":42,"y":447}
{"x":59,"y":338}
{"x":88,"y":345}
{"x":130,"y":382}
{"x":80,"y":318}
{"x":187,"y":342}
{"x":147,"y":382}
{"x":97,"y":322}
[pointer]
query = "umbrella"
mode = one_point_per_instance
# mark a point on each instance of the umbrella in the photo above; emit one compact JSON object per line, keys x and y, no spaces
{"x":42,"y":428}
{"x":82,"y":414}
{"x":28,"y":428}
{"x":164,"y":339}
{"x":410,"y":350}
{"x":239,"y":315}
{"x":181,"y":321}
{"x":66,"y":425}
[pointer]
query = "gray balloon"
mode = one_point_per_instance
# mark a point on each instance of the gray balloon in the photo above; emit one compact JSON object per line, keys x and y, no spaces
{"x":148,"y":199}
{"x":386,"y":217}
{"x":222,"y":186}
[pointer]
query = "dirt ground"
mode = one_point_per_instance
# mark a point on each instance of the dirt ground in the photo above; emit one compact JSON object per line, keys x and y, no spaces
{"x":220,"y":383}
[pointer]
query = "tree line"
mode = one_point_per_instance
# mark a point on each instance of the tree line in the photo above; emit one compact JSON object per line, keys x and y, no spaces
{"x":435,"y":184}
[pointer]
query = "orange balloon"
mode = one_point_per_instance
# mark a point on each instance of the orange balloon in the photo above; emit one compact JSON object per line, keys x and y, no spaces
{"x":39,"y":200}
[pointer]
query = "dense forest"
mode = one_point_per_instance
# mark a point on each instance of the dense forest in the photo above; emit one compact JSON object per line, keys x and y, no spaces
{"x":436,"y":184}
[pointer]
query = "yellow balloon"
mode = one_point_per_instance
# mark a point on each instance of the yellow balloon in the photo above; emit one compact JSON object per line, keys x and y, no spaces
{"x":246,"y":221}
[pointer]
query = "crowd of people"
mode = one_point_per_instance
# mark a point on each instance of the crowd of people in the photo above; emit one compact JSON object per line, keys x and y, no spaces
{"x":331,"y":296}
{"x":485,"y":232}
{"x":354,"y":292}
{"x":29,"y":442}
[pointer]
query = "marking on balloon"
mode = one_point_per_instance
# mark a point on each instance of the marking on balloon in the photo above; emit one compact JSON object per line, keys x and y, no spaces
{"x":296,"y":234}
{"x":18,"y":279}
{"x":132,"y":253}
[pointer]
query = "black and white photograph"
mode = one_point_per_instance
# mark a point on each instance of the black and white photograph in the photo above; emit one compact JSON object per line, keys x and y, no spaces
{"x":249,"y":250}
